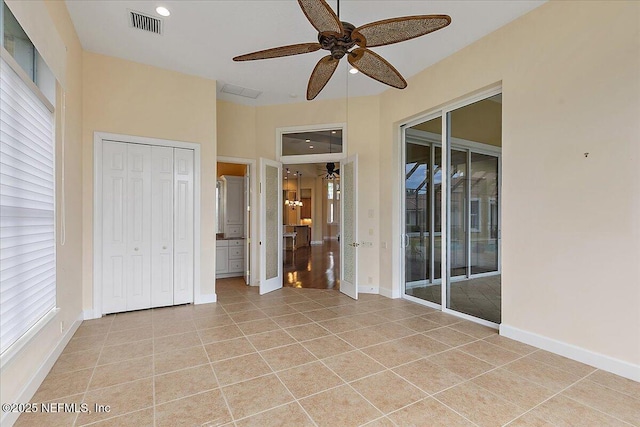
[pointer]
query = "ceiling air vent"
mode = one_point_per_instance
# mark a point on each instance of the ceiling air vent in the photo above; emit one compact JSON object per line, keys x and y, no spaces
{"x":241,"y":91}
{"x":145,"y":22}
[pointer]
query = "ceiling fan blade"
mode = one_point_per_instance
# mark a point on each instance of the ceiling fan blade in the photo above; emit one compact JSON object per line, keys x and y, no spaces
{"x":277,"y":52}
{"x":376,"y":67}
{"x":320,"y":76}
{"x":395,"y":30}
{"x":321,"y":16}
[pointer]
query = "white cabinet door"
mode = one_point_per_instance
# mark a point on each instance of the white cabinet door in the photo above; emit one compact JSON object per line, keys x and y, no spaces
{"x":222,"y":259}
{"x":183,"y":226}
{"x":138,"y":226}
{"x":114,"y":224}
{"x":234,"y":193}
{"x":161,"y":226}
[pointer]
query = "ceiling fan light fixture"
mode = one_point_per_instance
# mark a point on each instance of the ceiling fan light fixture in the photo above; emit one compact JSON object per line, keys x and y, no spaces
{"x":162,"y":11}
{"x":340,"y":38}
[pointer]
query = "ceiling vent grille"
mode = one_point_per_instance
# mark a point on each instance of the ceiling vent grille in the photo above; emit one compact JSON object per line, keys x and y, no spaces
{"x":145,"y":22}
{"x":241,"y":91}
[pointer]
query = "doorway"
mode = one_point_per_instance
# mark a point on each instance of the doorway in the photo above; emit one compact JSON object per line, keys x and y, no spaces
{"x":311,"y":225}
{"x":235,"y":222}
{"x":451,"y":209}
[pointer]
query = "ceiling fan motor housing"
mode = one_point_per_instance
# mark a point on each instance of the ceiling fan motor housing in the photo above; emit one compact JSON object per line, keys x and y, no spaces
{"x":338,"y":44}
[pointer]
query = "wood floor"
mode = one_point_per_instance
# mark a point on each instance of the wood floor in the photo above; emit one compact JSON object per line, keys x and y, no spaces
{"x":315,"y":266}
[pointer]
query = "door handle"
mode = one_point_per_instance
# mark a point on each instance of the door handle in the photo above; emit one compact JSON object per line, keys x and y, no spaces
{"x":135,"y":249}
{"x":164,"y":247}
{"x":355,"y":244}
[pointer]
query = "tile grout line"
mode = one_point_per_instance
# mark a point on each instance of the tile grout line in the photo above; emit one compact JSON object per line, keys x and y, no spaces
{"x":559,"y":393}
{"x":276,"y":375}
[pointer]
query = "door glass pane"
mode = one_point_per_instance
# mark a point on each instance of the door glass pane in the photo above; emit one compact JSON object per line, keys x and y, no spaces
{"x":474,"y":285}
{"x":423,"y":180}
{"x":349,"y":223}
{"x":458,"y":221}
{"x":437,"y":215}
{"x":272,"y":221}
{"x":484,"y":213}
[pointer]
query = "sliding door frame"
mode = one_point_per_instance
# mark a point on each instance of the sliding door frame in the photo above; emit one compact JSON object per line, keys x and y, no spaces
{"x":447,"y":143}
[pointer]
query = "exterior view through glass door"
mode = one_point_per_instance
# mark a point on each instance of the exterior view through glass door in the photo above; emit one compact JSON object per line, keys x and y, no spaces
{"x":473,"y":285}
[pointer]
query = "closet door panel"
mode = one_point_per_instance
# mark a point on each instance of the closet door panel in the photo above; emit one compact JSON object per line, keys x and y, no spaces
{"x":114,"y":223}
{"x":183,"y":226}
{"x":139,"y":226}
{"x":161,"y":226}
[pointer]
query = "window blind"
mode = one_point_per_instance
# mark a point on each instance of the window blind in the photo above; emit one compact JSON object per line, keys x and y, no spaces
{"x":27,"y":208}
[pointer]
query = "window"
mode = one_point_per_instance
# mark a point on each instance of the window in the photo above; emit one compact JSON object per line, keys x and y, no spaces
{"x":27,"y":194}
{"x":474,"y":210}
{"x":333,"y":201}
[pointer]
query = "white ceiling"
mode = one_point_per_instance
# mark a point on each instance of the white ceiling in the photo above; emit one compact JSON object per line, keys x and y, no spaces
{"x":201,"y":38}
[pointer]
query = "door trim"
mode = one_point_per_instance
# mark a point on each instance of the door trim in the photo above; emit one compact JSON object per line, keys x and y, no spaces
{"x":98,"y":139}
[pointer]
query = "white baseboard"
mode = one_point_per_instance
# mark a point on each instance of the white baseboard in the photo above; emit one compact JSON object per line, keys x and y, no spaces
{"x":368,"y":289}
{"x":600,"y":361}
{"x":387,"y":293}
{"x":29,"y":390}
{"x":206,"y":299}
{"x":89,"y":314}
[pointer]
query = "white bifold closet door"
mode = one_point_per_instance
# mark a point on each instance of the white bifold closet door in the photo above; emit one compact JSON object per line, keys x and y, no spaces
{"x":147,"y":203}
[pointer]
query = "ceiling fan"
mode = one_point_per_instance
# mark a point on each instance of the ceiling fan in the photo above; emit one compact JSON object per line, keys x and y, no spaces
{"x":332,"y":172}
{"x":340,"y":37}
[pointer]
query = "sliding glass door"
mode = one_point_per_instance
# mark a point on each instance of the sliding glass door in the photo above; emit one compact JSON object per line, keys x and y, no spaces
{"x":472,"y":284}
{"x":422,"y":226}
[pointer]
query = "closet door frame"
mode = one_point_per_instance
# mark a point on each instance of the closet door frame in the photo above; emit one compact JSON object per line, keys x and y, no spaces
{"x":98,"y":139}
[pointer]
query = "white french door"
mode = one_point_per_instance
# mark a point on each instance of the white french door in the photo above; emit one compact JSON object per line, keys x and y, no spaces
{"x":147,"y":226}
{"x":270,"y":226}
{"x":183,"y":226}
{"x":349,"y":227}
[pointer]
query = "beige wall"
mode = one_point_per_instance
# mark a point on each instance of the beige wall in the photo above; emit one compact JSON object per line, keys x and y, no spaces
{"x":363,"y":139}
{"x":128,"y":98}
{"x":571,"y":225}
{"x":53,"y":21}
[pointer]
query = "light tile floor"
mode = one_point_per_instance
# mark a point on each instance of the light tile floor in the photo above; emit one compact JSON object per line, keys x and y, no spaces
{"x":310,"y":357}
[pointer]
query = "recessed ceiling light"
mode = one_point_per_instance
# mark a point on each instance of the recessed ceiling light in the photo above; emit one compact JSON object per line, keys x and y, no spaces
{"x":353,"y":70}
{"x":307,"y":140}
{"x":333,"y":131}
{"x":162,"y":11}
{"x":311,"y":146}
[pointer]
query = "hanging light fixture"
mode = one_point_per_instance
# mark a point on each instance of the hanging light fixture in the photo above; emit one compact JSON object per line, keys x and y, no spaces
{"x":296,"y":203}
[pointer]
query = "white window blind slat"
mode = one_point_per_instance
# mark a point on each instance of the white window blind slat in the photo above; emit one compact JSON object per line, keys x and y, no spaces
{"x":25,"y":230}
{"x":27,"y":208}
{"x":13,"y":128}
{"x":18,"y":149}
{"x":25,"y":203}
{"x":11,"y":262}
{"x":16,"y":325}
{"x":13,"y":173}
{"x":19,"y":98}
{"x":23,"y":251}
{"x":8,"y":163}
{"x":13,"y":298}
